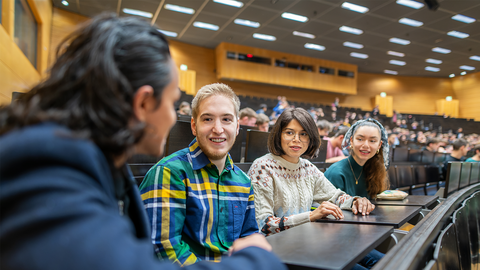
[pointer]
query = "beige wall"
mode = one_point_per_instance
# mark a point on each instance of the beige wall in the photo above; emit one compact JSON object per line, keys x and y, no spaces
{"x":409,"y":94}
{"x":16,"y":72}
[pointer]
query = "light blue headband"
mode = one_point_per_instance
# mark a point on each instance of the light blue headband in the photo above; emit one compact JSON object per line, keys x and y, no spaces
{"x":383,"y":134}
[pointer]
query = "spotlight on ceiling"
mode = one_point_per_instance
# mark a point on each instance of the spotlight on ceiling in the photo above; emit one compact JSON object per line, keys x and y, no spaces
{"x":432,"y":4}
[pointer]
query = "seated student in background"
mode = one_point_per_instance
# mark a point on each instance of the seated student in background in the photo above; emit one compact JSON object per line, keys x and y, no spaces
{"x":67,"y":197}
{"x":197,"y":200}
{"x":263,"y":122}
{"x":476,"y":156}
{"x":286,"y":185}
{"x":364,"y":172}
{"x":247,"y":117}
{"x":432,"y":145}
{"x":324,"y":127}
{"x":334,"y":146}
{"x":460,"y":150}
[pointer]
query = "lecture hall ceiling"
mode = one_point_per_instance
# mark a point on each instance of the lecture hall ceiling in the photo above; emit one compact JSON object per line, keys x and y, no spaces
{"x":324,"y":20}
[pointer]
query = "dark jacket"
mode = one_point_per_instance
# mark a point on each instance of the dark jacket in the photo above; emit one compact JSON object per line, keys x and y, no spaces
{"x":59,"y":210}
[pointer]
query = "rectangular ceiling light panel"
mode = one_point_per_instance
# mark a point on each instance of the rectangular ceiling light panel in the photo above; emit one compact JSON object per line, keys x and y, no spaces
{"x":433,"y":69}
{"x":353,"y":7}
{"x":314,"y":46}
{"x":410,"y":22}
{"x":393,"y":72}
{"x":441,"y":50}
{"x":433,"y":61}
{"x":458,"y":34}
{"x":397,"y":62}
{"x":353,"y":45}
{"x":359,"y":55}
{"x":168,"y":33}
{"x":247,"y":23}
{"x":232,"y":3}
{"x":351,"y":30}
{"x":464,"y":67}
{"x":462,"y":18}
{"x":399,"y":54}
{"x":400,"y":41}
{"x":206,"y":26}
{"x":410,"y":3}
{"x":264,"y":37}
{"x":179,"y":9}
{"x":294,"y":17}
{"x":305,"y":35}
{"x":137,"y":12}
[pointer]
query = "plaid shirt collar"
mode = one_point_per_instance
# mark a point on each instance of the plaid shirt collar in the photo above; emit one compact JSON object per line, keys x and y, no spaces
{"x":200,"y":160}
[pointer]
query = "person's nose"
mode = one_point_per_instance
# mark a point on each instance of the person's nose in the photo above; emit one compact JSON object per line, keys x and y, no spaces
{"x":217,"y":127}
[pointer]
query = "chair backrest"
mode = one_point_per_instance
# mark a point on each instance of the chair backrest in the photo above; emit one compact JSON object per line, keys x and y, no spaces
{"x":420,"y":173}
{"x":236,"y":151}
{"x":404,"y":176}
{"x":392,"y":177}
{"x":465,"y":174}
{"x":400,"y":154}
{"x":245,"y":166}
{"x":140,"y":164}
{"x":427,"y":157}
{"x":446,"y":249}
{"x":415,"y":155}
{"x":453,"y":177}
{"x":322,"y":152}
{"x":460,"y":219}
{"x":256,"y":144}
{"x":475,"y":173}
{"x":473,"y":204}
{"x":180,"y":137}
{"x":439,"y":157}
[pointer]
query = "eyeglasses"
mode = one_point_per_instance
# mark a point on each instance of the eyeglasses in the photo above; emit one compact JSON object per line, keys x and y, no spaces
{"x":290,"y":135}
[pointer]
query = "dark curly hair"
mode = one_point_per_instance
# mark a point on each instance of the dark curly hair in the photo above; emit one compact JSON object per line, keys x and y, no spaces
{"x":92,"y":84}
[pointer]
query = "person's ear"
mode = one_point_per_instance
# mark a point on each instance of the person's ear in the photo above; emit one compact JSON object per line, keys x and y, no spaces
{"x":194,"y":127}
{"x":143,"y":102}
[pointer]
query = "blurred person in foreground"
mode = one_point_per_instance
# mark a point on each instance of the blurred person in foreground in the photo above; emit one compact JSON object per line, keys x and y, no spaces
{"x":110,"y":94}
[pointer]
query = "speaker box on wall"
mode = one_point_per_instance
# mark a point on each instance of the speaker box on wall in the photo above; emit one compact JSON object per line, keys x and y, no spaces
{"x":432,"y":4}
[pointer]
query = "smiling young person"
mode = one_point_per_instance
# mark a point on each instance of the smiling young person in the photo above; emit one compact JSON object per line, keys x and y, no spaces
{"x":286,"y":185}
{"x":67,"y":198}
{"x":197,"y":200}
{"x":364,"y":172}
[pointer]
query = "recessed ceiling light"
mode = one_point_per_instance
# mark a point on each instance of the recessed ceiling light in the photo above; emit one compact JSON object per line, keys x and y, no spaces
{"x":351,"y":30}
{"x":137,"y":12}
{"x":399,"y":54}
{"x":433,"y":61}
{"x":183,"y":67}
{"x":467,"y":67}
{"x":458,"y":34}
{"x":410,"y":3}
{"x":393,"y":72}
{"x":65,"y":3}
{"x":441,"y":50}
{"x":206,"y":26}
{"x":475,"y":57}
{"x":179,"y":9}
{"x":399,"y":41}
{"x":301,"y":34}
{"x":397,"y":62}
{"x":264,"y":37}
{"x":168,"y":33}
{"x":451,"y":75}
{"x":230,"y":3}
{"x":314,"y":46}
{"x":353,"y":45}
{"x":359,"y":55}
{"x":247,"y":23}
{"x":410,"y":22}
{"x":294,"y":17}
{"x":462,"y":18}
{"x":433,"y":69}
{"x":353,"y":7}
{"x":463,"y":73}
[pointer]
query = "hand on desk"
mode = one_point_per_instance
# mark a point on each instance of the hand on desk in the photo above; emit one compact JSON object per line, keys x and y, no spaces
{"x":325,"y":209}
{"x":362,"y":205}
{"x":254,"y":240}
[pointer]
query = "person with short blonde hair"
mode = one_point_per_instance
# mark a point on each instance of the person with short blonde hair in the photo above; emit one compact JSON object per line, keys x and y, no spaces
{"x":247,"y":117}
{"x":197,"y":200}
{"x":262,"y":122}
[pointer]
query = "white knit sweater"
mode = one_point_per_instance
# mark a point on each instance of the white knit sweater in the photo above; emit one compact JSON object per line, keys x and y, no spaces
{"x":284,"y":192}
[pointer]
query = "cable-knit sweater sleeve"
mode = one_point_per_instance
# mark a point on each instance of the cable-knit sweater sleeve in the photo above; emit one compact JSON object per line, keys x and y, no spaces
{"x":326,"y":191}
{"x":264,"y":181}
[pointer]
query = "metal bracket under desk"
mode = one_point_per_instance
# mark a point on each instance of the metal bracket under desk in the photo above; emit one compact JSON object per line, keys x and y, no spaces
{"x":391,"y":241}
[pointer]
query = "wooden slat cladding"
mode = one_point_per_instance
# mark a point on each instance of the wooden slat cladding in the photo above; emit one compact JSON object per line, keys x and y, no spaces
{"x":274,"y":75}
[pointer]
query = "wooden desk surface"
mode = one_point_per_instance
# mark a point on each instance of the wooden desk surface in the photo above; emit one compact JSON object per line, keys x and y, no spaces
{"x":332,"y":246}
{"x":410,"y":200}
{"x":390,"y":215}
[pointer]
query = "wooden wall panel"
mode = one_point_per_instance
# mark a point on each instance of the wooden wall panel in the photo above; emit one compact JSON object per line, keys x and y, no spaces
{"x":18,"y":74}
{"x":281,"y":76}
{"x":467,"y":91}
{"x":63,"y":24}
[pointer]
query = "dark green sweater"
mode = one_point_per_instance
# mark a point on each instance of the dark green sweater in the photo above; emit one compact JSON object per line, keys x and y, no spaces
{"x":341,"y":176}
